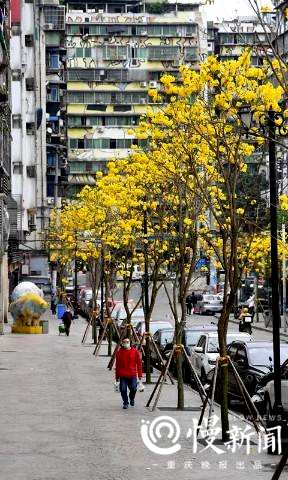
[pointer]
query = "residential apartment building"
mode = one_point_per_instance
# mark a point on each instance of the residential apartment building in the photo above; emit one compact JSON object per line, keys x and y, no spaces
{"x":116,"y":52}
{"x":4,"y":156}
{"x":38,"y":122}
{"x":232,"y":36}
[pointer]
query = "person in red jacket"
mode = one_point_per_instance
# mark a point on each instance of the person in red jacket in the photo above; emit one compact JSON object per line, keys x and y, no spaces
{"x":128,"y":368}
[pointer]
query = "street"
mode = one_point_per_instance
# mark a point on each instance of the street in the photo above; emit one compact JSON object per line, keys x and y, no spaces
{"x":60,"y":419}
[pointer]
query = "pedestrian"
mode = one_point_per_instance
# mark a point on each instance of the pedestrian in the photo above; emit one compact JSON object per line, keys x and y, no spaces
{"x":67,"y":319}
{"x":53,"y":303}
{"x":128,"y":370}
{"x":188,"y":304}
{"x":193,"y":301}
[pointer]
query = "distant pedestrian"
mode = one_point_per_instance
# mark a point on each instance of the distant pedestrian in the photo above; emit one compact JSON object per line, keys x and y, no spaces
{"x":189,"y":304}
{"x":128,"y":370}
{"x":193,"y":301}
{"x":67,"y":319}
{"x":53,"y":304}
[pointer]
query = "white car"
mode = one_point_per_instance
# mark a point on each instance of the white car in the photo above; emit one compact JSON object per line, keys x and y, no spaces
{"x":137,"y":315}
{"x":209,"y":303}
{"x":266,"y":394}
{"x":154,"y":326}
{"x":203,"y":356}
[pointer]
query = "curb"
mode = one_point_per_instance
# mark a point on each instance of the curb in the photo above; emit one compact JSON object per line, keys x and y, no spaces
{"x":262,"y":329}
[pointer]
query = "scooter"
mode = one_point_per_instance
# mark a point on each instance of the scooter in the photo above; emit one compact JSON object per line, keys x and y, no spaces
{"x":245,"y":324}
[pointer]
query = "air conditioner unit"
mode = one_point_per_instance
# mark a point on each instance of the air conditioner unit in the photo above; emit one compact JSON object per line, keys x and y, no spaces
{"x":143,"y":100}
{"x":144,"y":33}
{"x":143,"y":84}
{"x":101,"y":11}
{"x":153,"y":83}
{"x":50,"y":201}
{"x":100,"y":130}
{"x":48,"y":26}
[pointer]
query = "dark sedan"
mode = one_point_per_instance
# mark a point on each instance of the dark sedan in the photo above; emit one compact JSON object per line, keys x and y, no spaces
{"x":252,"y":361}
{"x":190,"y":337}
{"x":161,"y":338}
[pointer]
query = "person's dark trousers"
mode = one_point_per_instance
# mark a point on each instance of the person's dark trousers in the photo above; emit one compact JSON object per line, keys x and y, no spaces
{"x":130,"y":383}
{"x":67,"y":328}
{"x":189,"y":308}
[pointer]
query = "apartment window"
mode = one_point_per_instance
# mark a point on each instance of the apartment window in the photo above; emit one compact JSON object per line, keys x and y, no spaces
{"x":191,"y":53}
{"x":115,"y":53}
{"x":83,"y":52}
{"x":16,"y":75}
{"x":30,"y":128}
{"x":53,"y":60}
{"x":29,"y":1}
{"x":18,"y":168}
{"x":16,"y":30}
{"x":29,"y":40}
{"x":53,"y":95}
{"x":191,"y":29}
{"x":84,"y":30}
{"x":163,"y":53}
{"x":122,"y":108}
{"x":51,"y":159}
{"x":30,"y":84}
{"x":16,"y":121}
{"x":50,"y":189}
{"x":31,"y":171}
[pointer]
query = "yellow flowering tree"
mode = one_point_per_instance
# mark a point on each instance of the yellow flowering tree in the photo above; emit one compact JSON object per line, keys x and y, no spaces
{"x":201,"y":132}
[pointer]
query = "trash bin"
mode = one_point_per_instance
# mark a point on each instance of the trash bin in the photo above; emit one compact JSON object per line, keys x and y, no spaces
{"x":45,"y":326}
{"x":61,"y":308}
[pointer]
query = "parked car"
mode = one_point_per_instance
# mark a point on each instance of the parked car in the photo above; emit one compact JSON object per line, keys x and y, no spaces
{"x":190,"y":338}
{"x":154,"y":326}
{"x":161,"y":338}
{"x":84,"y":299}
{"x":254,"y":364}
{"x":208,"y":304}
{"x":203,"y":356}
{"x":265,"y":391}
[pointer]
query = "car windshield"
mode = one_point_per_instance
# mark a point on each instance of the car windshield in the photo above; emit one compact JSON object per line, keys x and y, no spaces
{"x":213,"y":345}
{"x":167,"y":337}
{"x":154,"y":326}
{"x":260,"y":355}
{"x":193,"y":337}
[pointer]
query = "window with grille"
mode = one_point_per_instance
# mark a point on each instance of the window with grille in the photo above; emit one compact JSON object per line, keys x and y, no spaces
{"x":30,"y":84}
{"x":30,"y":128}
{"x":118,"y":52}
{"x":31,"y":171}
{"x":191,"y":53}
{"x":163,"y":53}
{"x":83,"y":52}
{"x":29,"y":40}
{"x":16,"y":121}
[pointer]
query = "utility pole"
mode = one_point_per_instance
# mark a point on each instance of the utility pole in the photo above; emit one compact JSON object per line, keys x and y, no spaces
{"x":278,"y":408}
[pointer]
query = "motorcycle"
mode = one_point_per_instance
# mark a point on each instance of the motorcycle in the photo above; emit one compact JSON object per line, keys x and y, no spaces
{"x":245,"y":324}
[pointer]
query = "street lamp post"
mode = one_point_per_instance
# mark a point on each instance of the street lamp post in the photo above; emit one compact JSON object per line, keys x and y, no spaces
{"x":274,"y":125}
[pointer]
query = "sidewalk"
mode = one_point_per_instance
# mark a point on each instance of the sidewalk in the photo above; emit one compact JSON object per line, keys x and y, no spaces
{"x":61,"y":420}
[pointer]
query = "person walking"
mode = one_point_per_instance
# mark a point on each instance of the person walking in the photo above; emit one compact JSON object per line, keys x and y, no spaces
{"x":67,"y":319}
{"x":188,"y":304}
{"x":53,"y":304}
{"x":193,"y":301}
{"x":128,"y":370}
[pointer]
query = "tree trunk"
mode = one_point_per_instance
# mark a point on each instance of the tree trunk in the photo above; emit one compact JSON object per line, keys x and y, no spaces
{"x":179,"y":367}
